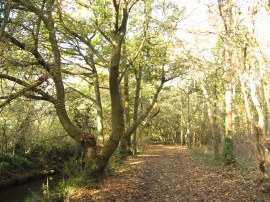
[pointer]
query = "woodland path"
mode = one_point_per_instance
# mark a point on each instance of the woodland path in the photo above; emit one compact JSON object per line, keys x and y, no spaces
{"x":167,"y":173}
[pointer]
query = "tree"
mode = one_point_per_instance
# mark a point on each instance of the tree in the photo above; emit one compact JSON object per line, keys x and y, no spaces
{"x":44,"y":13}
{"x":57,"y":47}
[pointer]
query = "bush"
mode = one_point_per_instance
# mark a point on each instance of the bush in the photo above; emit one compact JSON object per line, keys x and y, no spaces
{"x":229,"y":157}
{"x":72,"y":168}
{"x":114,"y":163}
{"x":22,"y":167}
{"x":4,"y":166}
{"x":57,"y":155}
{"x":23,"y":163}
{"x":15,"y":163}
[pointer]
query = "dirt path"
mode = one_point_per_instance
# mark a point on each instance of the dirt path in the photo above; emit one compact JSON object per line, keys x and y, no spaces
{"x":167,"y":173}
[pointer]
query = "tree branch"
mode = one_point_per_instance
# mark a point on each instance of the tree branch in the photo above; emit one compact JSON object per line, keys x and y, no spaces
{"x":44,"y":95}
{"x":82,"y":94}
{"x":131,"y":129}
{"x":21,"y":92}
{"x":33,"y":51}
{"x":84,"y":40}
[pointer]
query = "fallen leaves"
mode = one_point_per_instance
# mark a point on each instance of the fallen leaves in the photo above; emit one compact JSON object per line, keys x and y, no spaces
{"x":168,"y":173}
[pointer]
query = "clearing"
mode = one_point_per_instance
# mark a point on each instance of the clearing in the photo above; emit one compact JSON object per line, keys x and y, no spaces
{"x":168,"y":173}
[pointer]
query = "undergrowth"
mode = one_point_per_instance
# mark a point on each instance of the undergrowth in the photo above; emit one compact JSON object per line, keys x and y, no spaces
{"x":209,"y":160}
{"x":206,"y":159}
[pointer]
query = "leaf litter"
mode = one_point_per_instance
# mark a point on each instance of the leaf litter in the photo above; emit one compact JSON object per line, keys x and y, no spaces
{"x":168,"y":173}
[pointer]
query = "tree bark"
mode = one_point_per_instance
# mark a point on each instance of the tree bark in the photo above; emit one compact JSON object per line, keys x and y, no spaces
{"x":189,"y":137}
{"x":136,"y":105}
{"x":125,"y":146}
{"x":99,"y":108}
{"x":212,"y":122}
{"x":226,"y":11}
{"x":259,"y":129}
{"x":257,"y":125}
{"x":117,"y":111}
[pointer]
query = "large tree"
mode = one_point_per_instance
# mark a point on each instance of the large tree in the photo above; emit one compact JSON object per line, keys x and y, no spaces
{"x":47,"y":43}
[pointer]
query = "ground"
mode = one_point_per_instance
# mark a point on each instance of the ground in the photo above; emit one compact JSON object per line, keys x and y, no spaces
{"x":168,"y":173}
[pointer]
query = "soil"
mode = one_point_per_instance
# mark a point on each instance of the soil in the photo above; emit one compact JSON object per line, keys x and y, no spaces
{"x":168,"y":173}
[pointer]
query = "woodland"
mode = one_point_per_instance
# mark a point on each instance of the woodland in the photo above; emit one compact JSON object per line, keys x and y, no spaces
{"x":87,"y":85}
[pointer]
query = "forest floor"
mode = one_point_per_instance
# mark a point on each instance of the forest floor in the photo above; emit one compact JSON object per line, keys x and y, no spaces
{"x":168,"y":173}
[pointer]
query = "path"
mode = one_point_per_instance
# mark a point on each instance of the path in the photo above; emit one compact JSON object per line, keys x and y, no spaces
{"x":167,"y":173}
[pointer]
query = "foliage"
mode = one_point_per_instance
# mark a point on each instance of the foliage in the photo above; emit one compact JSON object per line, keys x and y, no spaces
{"x":16,"y":164}
{"x":62,"y":192}
{"x":115,"y":163}
{"x":23,"y":167}
{"x":229,"y":157}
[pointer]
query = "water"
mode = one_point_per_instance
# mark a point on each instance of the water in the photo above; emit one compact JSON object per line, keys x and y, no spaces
{"x":20,"y":193}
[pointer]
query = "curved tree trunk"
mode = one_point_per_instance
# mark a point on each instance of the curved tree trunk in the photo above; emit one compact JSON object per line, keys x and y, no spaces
{"x":87,"y":141}
{"x":117,"y":113}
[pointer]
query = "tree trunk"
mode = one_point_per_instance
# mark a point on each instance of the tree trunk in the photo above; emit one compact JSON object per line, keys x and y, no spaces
{"x":117,"y":112}
{"x":228,"y":140}
{"x":97,"y":101}
{"x":55,"y":71}
{"x":136,"y":106}
{"x":125,"y":146}
{"x":87,"y":140}
{"x":259,"y":129}
{"x":261,"y":154}
{"x":99,"y":109}
{"x":182,"y":138}
{"x":212,"y":122}
{"x":189,"y":138}
{"x":226,"y":9}
{"x":258,"y":126}
{"x":265,"y":88}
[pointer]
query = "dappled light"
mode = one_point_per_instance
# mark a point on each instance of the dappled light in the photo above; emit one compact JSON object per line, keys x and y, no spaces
{"x":147,"y":155}
{"x":138,"y":162}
